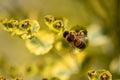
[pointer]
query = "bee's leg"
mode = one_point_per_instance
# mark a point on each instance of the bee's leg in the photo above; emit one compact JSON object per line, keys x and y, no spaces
{"x":72,"y":54}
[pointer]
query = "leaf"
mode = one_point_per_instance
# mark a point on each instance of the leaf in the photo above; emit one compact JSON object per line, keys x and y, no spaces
{"x":41,"y":44}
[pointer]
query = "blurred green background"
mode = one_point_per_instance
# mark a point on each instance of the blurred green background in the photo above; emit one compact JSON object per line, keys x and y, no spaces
{"x":100,"y":17}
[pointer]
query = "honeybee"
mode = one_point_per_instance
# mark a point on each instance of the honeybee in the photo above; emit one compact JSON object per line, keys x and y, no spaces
{"x":76,"y":38}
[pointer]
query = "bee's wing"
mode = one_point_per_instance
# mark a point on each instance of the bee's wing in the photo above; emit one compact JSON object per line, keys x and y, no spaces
{"x":72,"y":53}
{"x":78,"y":28}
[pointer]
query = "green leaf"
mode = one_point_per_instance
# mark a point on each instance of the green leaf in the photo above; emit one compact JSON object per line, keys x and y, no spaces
{"x":42,"y":43}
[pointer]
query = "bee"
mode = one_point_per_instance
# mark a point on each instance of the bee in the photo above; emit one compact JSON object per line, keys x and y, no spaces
{"x":75,"y":38}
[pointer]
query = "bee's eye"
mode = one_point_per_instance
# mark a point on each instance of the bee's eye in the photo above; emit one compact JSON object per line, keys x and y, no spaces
{"x":65,"y":34}
{"x":71,"y":37}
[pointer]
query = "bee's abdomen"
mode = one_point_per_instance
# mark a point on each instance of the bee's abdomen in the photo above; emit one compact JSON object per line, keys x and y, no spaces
{"x":79,"y":44}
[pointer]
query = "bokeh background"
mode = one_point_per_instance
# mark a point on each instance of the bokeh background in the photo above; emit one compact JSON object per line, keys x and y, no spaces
{"x":100,"y":17}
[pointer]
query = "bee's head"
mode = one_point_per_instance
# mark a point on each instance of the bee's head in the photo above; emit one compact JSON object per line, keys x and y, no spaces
{"x":65,"y":33}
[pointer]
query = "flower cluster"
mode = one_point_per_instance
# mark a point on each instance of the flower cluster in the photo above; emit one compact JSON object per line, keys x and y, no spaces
{"x":76,"y":36}
{"x":38,"y":41}
{"x":25,"y":29}
{"x":99,"y":75}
